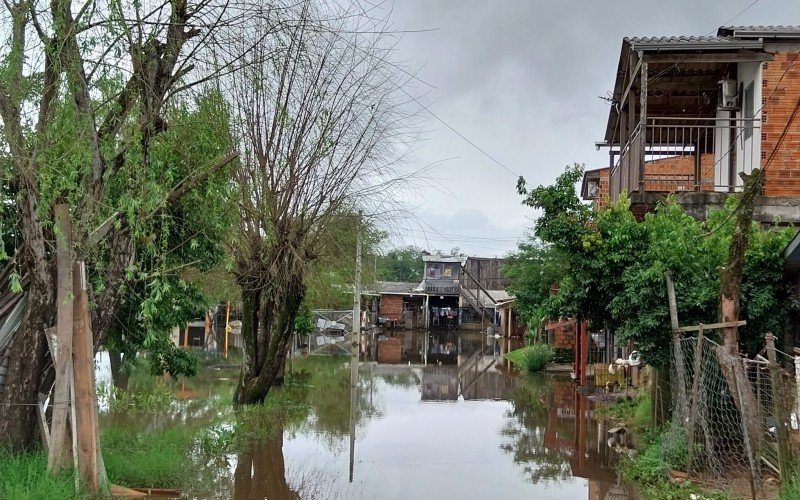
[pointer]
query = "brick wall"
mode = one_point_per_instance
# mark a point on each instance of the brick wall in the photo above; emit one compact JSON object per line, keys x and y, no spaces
{"x":781,"y":80}
{"x":391,"y":307}
{"x":603,"y":191}
{"x":563,"y":333}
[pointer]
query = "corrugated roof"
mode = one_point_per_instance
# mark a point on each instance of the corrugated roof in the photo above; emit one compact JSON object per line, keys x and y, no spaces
{"x":394,"y":288}
{"x":443,"y":258}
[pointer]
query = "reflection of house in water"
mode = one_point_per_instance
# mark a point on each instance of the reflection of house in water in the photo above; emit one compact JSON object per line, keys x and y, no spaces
{"x":476,"y":379}
{"x":439,"y":383}
{"x":572,"y":429}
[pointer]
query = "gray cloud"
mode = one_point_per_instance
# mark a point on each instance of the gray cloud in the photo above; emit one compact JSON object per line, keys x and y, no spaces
{"x":521,"y":79}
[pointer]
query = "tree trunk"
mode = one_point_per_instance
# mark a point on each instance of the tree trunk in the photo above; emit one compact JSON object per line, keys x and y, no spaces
{"x":267,"y":327}
{"x":28,"y":359}
{"x":729,"y":305}
{"x":119,"y":375}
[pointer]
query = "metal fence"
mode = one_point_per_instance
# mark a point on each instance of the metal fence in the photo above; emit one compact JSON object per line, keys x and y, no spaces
{"x":734,"y":419}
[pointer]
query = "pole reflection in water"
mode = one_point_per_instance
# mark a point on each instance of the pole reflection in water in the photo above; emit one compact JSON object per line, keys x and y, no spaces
{"x":353,"y":404}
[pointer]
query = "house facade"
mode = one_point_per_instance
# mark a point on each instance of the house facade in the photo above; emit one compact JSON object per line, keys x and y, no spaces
{"x":690,"y":114}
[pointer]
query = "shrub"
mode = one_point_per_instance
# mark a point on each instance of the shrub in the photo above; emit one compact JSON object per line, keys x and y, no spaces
{"x":537,"y":356}
{"x":532,"y":358}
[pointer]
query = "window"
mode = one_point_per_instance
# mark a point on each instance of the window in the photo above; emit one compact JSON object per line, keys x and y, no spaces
{"x":748,"y":110}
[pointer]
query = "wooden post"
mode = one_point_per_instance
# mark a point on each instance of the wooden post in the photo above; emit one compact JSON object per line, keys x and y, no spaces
{"x":797,"y":381}
{"x":61,"y":440}
{"x":680,"y":365}
{"x":83,"y":365}
{"x":582,"y":333}
{"x":227,"y":326}
{"x":696,"y":375}
{"x":780,"y":429}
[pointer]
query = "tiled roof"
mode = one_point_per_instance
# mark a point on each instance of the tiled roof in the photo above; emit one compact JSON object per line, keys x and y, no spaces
{"x":676,"y":39}
{"x":690,"y":43}
{"x":762,"y":28}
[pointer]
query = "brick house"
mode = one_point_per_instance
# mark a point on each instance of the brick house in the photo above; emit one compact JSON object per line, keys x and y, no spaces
{"x":689,"y":114}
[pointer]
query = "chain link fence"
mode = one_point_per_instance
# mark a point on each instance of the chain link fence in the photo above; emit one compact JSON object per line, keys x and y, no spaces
{"x":734,"y":419}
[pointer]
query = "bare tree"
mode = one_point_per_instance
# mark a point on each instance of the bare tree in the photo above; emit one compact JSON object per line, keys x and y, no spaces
{"x":319,"y":120}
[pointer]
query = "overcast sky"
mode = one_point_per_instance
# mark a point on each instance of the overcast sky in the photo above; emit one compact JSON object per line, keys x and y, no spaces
{"x":521,"y":79}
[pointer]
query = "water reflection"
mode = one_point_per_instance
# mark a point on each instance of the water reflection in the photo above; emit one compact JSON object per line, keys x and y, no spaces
{"x":471,"y":430}
{"x":261,"y":473}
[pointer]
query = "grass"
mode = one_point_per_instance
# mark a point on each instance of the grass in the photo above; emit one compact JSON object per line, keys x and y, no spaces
{"x":532,"y":358}
{"x":24,"y":476}
{"x":137,"y":458}
{"x":151,"y":437}
{"x":633,"y":413}
{"x":649,"y":468}
{"x":790,"y":489}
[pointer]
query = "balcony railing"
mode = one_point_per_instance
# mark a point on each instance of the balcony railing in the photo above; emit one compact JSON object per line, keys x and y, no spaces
{"x":676,"y":154}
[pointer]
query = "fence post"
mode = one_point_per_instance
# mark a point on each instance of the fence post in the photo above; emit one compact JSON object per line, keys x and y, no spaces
{"x":696,"y":374}
{"x":780,"y":429}
{"x":797,"y":382}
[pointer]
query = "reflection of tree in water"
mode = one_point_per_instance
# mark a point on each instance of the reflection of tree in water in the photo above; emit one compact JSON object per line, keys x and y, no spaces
{"x":261,"y":472}
{"x":405,"y":379}
{"x":525,"y":429}
{"x":328,"y":399}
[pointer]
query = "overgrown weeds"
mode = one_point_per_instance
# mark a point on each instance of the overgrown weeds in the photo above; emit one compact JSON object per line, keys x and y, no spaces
{"x":650,"y":469}
{"x":25,"y":476}
{"x":633,"y":413}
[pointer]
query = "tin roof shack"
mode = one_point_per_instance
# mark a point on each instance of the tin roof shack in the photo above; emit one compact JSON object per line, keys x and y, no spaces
{"x":396,"y":304}
{"x":442,"y":285}
{"x":689,"y":114}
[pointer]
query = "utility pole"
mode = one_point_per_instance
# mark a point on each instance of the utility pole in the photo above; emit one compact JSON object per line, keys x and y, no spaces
{"x":355,"y":347}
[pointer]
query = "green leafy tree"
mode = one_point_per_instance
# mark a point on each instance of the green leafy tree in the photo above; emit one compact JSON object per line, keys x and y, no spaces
{"x":91,"y":100}
{"x":401,"y":264}
{"x":614,"y":267}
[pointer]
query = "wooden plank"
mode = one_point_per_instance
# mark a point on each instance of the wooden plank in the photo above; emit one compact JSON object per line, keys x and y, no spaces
{"x":631,"y":82}
{"x":41,"y":419}
{"x":61,"y":442}
{"x":83,"y":364}
{"x":781,"y":433}
{"x":696,"y":375}
{"x":711,"y":326}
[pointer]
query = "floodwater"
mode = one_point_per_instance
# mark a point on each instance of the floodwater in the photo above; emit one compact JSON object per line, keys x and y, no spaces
{"x":437,"y":431}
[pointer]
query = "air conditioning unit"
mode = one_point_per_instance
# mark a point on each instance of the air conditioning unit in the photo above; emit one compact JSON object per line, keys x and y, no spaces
{"x":727,"y":95}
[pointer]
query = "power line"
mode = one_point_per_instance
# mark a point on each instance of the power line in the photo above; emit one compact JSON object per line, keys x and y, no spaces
{"x":462,"y":136}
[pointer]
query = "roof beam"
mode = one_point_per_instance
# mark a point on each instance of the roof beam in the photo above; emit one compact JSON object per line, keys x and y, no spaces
{"x":709,"y":57}
{"x":631,"y":81}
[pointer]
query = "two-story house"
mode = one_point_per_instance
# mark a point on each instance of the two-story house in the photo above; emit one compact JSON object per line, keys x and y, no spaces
{"x":689,"y":114}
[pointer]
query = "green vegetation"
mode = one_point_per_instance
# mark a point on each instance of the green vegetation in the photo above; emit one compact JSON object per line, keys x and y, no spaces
{"x":610,"y":268}
{"x":633,"y":413}
{"x":650,"y":467}
{"x":532,"y":358}
{"x":790,"y":489}
{"x":24,"y":475}
{"x":137,"y":458}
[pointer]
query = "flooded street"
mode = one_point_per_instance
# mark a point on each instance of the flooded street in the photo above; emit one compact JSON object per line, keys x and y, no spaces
{"x":416,"y":432}
{"x":415,"y":441}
